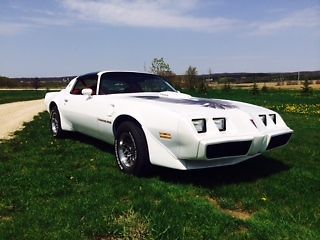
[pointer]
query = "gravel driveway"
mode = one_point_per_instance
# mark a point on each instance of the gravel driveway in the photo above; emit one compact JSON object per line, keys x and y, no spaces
{"x":13,"y":115}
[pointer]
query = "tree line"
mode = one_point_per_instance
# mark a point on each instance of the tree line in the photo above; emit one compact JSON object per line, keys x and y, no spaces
{"x":192,"y":81}
{"x":189,"y":80}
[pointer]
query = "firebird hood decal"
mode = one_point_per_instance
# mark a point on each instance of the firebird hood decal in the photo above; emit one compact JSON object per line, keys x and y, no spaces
{"x":218,"y":104}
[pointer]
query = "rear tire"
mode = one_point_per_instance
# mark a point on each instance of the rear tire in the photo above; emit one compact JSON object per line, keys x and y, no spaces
{"x":55,"y":123}
{"x":132,"y":150}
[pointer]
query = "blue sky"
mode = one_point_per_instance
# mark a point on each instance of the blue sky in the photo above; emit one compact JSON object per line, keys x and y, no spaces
{"x":71,"y":37}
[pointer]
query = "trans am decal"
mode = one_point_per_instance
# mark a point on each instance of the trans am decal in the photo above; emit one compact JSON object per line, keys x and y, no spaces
{"x":218,"y":104}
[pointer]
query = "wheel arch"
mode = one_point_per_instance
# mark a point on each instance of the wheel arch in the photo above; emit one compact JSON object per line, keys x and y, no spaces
{"x":65,"y":124}
{"x":52,"y":105}
{"x":122,"y":118}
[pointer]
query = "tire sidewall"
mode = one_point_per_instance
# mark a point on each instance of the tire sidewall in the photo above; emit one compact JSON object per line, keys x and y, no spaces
{"x":59,"y":129}
{"x":142,"y":162}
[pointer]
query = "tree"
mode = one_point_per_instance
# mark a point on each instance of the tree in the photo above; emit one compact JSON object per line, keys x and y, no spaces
{"x":264,"y":88}
{"x":7,"y":82}
{"x":36,"y":83}
{"x":160,"y":67}
{"x":191,"y":75}
{"x":203,"y":86}
{"x":210,"y":75}
{"x":175,"y":81}
{"x":226,"y":83}
{"x":255,"y":89}
{"x":306,"y":89}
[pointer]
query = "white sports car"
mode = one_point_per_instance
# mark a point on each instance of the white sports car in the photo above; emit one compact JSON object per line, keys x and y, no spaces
{"x":150,"y":123}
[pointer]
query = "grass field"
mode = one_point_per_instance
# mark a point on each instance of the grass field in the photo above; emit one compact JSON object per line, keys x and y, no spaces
{"x":269,"y":85}
{"x":7,"y":96}
{"x":72,"y":189}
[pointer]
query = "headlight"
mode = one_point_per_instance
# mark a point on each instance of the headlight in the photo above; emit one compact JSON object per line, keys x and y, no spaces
{"x":273,"y":117}
{"x":220,"y":123}
{"x":200,"y":125}
{"x":263,"y":119}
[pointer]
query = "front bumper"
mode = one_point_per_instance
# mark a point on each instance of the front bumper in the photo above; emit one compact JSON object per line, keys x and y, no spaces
{"x":244,"y":146}
{"x":232,"y":152}
{"x":220,"y":151}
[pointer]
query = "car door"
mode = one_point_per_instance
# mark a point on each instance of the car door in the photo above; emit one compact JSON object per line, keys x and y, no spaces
{"x":111,"y":85}
{"x":109,"y":88}
{"x":82,"y":110}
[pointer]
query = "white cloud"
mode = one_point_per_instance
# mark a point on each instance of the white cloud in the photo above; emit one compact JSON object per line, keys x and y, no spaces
{"x":9,"y":28}
{"x":141,"y":13}
{"x":25,"y":19}
{"x":174,"y":14}
{"x":47,"y":21}
{"x":24,"y":24}
{"x":306,"y":18}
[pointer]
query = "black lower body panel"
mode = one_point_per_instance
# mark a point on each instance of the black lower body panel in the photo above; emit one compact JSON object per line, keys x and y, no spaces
{"x":228,"y":149}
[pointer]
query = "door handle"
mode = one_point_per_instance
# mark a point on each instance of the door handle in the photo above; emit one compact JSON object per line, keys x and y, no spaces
{"x":66,"y":100}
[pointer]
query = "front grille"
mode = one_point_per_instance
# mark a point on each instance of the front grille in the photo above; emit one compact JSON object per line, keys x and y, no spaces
{"x":228,"y":149}
{"x":279,"y":140}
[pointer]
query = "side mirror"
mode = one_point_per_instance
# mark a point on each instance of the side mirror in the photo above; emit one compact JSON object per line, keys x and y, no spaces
{"x":87,"y":92}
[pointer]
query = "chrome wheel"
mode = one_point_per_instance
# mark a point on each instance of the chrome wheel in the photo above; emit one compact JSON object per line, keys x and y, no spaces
{"x":127,"y":150}
{"x":131,"y":149}
{"x":54,"y":123}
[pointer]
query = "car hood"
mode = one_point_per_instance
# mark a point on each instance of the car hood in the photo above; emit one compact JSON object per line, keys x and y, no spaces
{"x":190,"y":106}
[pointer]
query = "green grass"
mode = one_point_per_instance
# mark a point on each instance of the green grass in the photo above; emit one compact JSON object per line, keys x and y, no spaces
{"x":72,"y":189}
{"x":8,"y":96}
{"x":265,"y":98}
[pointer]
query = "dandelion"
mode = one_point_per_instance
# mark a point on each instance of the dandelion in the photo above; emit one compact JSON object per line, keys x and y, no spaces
{"x":311,"y":109}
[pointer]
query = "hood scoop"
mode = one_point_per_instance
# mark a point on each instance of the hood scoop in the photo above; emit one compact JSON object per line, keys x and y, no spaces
{"x":184,"y":99}
{"x":174,"y":95}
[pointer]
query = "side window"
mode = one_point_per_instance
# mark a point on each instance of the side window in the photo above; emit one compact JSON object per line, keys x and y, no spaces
{"x":153,"y":85}
{"x":89,"y":81}
{"x":110,"y":84}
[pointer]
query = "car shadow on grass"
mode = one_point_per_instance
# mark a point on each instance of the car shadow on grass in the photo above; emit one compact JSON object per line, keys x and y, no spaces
{"x":248,"y":171}
{"x":103,"y":146}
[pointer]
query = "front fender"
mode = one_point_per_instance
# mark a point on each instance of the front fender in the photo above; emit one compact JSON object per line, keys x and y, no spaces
{"x":155,"y":123}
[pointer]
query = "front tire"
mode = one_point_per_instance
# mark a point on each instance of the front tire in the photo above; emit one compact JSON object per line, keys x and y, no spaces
{"x":55,"y":123}
{"x":132,"y":150}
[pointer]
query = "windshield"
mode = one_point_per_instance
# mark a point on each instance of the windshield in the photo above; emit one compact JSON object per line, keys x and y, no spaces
{"x":131,"y":82}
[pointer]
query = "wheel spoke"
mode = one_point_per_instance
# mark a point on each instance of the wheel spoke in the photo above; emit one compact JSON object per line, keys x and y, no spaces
{"x":54,"y":123}
{"x":127,"y":149}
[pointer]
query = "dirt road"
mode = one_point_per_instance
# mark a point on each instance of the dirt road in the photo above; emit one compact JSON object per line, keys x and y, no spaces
{"x":13,"y":115}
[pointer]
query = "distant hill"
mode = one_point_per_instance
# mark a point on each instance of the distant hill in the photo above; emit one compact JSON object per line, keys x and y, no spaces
{"x":35,"y":83}
{"x":262,"y":77}
{"x":241,"y":77}
{"x":45,"y":79}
